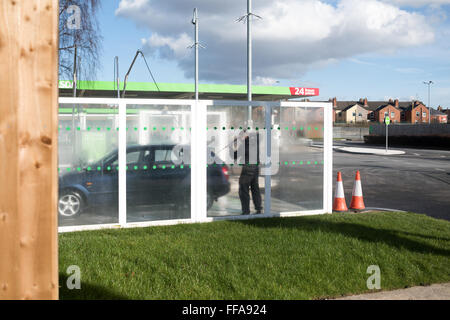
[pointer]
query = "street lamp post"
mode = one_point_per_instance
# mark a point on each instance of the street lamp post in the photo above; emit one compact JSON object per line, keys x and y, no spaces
{"x":429,"y":83}
{"x":248,"y":19}
{"x":196,"y":44}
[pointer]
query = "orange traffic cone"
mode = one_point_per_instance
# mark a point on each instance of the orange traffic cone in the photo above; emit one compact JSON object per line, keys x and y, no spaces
{"x":357,"y":196}
{"x":339,"y":197}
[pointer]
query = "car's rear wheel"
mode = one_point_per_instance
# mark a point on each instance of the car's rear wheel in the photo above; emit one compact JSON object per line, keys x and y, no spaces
{"x":70,"y":204}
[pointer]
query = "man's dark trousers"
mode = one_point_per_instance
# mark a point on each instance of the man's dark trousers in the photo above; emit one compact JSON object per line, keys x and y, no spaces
{"x":249,"y":180}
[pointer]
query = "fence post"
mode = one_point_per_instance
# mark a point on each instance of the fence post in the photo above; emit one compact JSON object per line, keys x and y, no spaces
{"x":328,"y":158}
{"x":28,"y":149}
{"x":198,"y":161}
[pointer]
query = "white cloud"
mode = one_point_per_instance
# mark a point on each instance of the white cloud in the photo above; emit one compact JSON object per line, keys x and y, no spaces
{"x":409,"y":70}
{"x":265,"y":81}
{"x":358,"y":61}
{"x":418,"y":3}
{"x":292,"y":37}
{"x":169,"y":46}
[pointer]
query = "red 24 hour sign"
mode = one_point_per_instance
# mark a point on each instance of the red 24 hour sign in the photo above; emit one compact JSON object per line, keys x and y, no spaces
{"x":298,"y":91}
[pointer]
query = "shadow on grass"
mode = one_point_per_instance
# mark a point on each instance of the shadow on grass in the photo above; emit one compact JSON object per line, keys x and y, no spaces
{"x":392,"y":238}
{"x":87,"y":291}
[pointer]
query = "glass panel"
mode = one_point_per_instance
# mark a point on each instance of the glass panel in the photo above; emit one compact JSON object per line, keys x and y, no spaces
{"x":158,"y":162}
{"x":88,"y":186}
{"x":297,"y":137}
{"x":230,"y":180}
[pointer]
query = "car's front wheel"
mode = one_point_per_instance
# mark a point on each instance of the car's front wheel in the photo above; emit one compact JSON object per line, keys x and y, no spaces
{"x":70,"y":204}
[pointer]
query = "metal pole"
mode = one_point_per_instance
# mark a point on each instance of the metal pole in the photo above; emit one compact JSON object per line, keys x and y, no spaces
{"x":116,"y":116}
{"x":128,"y":73}
{"x":268,"y":162}
{"x":195,"y":22}
{"x":387,"y":134}
{"x":75,"y":73}
{"x":117,"y":76}
{"x":429,"y":105}
{"x":74,"y":85}
{"x":429,"y":83}
{"x":249,"y":57}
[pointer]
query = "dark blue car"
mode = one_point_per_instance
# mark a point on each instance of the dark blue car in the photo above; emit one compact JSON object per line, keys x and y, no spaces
{"x":152,"y":179}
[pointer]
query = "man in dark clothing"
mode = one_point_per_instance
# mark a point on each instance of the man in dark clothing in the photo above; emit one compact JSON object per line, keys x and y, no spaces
{"x":250,"y":173}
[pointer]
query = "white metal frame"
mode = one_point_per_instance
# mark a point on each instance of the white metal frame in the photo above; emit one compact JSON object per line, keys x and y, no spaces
{"x":199,"y":159}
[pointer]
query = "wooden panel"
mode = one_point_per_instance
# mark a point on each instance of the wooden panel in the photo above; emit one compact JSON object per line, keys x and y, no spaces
{"x":28,"y":149}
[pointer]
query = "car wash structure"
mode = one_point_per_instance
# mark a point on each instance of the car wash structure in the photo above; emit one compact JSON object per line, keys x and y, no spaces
{"x":157,"y":156}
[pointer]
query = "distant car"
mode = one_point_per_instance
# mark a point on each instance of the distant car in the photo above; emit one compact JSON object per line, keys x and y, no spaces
{"x":152,"y":179}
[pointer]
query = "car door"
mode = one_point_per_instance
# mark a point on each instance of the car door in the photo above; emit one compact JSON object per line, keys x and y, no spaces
{"x":144,"y":184}
{"x":102,"y":183}
{"x":133,"y":163}
{"x":163,"y":182}
{"x":134,"y":173}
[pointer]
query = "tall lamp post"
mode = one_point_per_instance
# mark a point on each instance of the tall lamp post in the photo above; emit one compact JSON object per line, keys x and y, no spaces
{"x":196,"y":44}
{"x":429,"y":83}
{"x":248,"y":18}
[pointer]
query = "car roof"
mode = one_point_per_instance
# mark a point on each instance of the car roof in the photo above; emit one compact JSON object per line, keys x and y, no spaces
{"x":139,"y":147}
{"x":146,"y":146}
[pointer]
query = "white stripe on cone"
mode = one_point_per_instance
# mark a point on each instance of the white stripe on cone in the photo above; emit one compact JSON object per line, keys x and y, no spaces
{"x":339,"y":190}
{"x":357,"y":189}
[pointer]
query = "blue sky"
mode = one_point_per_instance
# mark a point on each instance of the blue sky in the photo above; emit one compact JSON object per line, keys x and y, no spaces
{"x":347,"y":48}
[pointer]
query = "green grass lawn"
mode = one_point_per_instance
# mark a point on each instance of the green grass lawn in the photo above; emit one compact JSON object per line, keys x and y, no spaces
{"x":281,"y":258}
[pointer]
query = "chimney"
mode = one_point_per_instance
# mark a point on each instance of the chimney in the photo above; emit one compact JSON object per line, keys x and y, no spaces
{"x":365,"y":102}
{"x":396,"y":103}
{"x":440,"y":109}
{"x":334,"y":102}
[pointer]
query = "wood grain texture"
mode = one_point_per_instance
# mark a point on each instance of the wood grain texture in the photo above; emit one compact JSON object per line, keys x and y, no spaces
{"x":28,"y":149}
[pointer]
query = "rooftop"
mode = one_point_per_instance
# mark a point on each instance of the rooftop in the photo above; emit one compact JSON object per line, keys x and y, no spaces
{"x":371,"y":105}
{"x":108,"y":89}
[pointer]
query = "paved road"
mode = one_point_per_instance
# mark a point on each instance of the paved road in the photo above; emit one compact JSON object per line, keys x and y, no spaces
{"x":434,"y":292}
{"x":418,"y":181}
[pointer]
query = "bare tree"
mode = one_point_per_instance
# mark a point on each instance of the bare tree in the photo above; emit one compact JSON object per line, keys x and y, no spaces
{"x":78,"y":26}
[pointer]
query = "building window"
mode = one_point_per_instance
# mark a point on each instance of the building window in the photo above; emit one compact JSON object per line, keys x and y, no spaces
{"x":424,"y":114}
{"x":417,"y":114}
{"x":386,"y":114}
{"x":392,"y":115}
{"x":360,"y":115}
{"x":354,"y":113}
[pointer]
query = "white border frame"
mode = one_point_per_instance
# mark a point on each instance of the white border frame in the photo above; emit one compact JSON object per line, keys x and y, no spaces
{"x":199,"y":160}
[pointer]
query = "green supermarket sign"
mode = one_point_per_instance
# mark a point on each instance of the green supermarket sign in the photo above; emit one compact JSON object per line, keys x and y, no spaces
{"x":387,"y":120}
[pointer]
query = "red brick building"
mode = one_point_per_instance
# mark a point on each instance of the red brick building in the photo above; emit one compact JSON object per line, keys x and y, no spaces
{"x":390,"y":110}
{"x":437,"y":116}
{"x":415,"y":113}
{"x":403,"y":111}
{"x":446,"y":112}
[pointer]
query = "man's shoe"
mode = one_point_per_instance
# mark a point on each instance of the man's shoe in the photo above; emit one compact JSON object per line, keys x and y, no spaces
{"x":258,"y":212}
{"x":245,"y":213}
